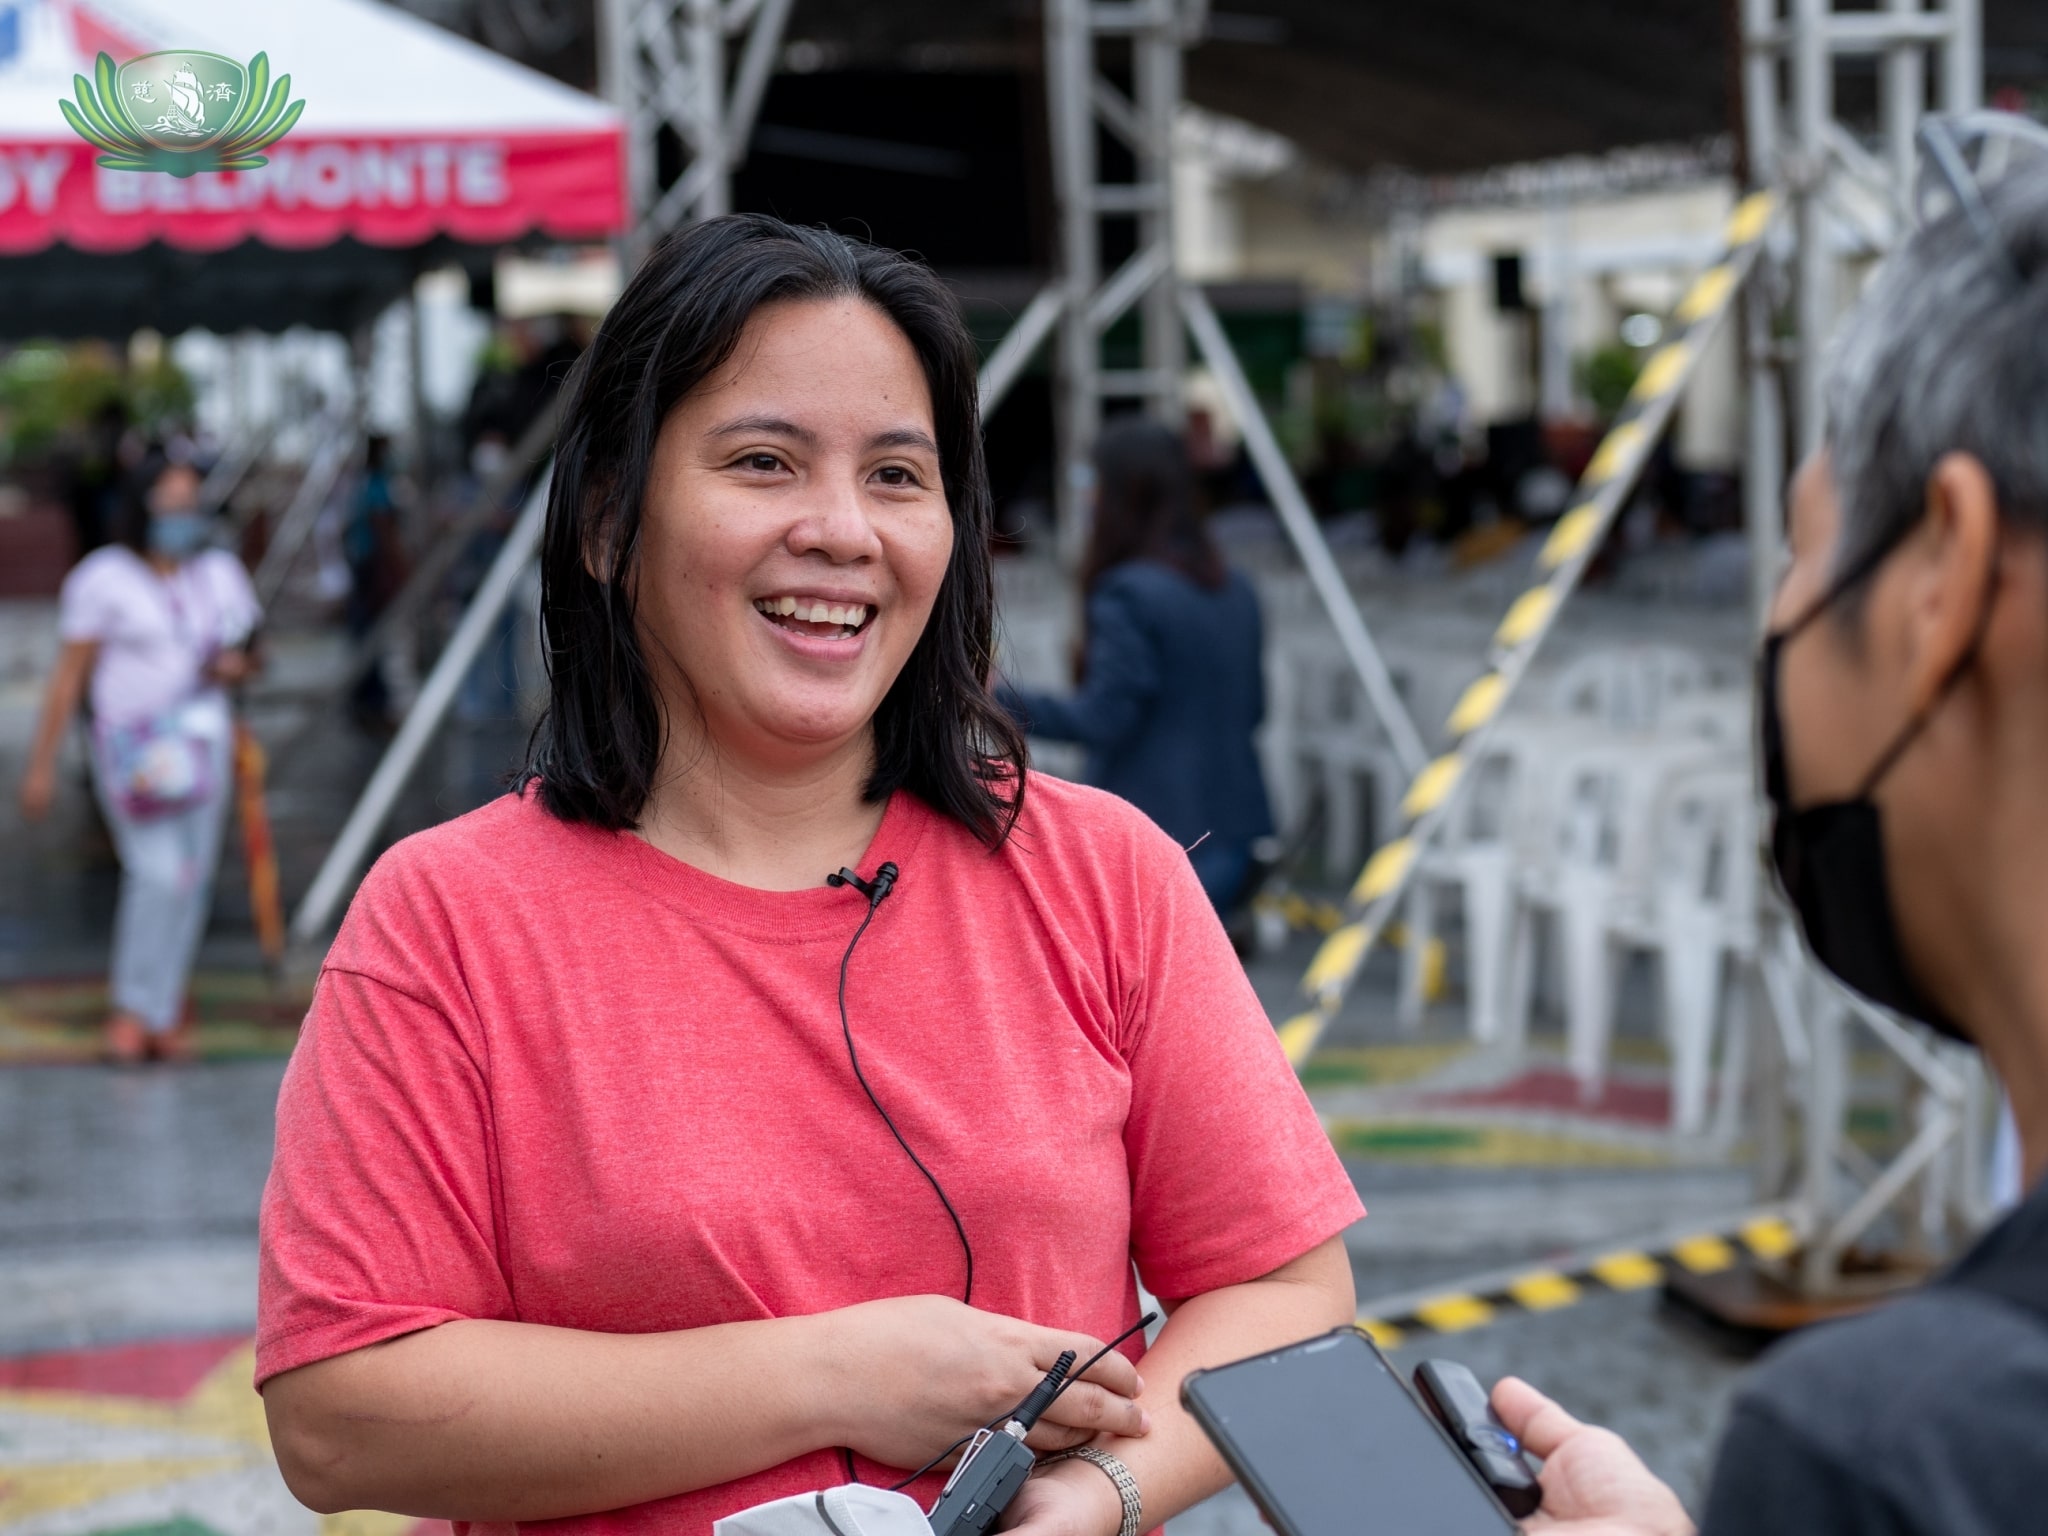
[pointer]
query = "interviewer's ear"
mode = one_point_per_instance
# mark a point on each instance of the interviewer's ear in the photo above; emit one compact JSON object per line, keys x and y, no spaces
{"x":1950,"y":593}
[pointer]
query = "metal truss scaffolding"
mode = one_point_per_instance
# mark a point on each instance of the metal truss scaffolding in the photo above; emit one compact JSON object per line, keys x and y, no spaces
{"x":1084,"y":101}
{"x":666,"y":66}
{"x":1850,"y":203}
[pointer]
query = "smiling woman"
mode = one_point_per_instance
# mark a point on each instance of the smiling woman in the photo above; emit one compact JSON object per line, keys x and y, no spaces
{"x":612,"y":1186}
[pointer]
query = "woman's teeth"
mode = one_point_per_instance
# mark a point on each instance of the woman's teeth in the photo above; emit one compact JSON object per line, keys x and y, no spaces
{"x":849,"y":616}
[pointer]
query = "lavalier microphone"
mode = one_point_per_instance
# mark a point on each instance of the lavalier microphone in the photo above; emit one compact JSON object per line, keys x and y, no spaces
{"x":874,"y":889}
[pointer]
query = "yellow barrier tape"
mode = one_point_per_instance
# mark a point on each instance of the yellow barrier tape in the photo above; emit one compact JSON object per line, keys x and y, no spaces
{"x":1771,"y":1238}
{"x":1477,"y":704}
{"x":1335,"y":961}
{"x":1383,"y":1334}
{"x":1705,"y":1254}
{"x":1749,"y":218}
{"x":1614,"y":452}
{"x":1298,"y":1034}
{"x":1661,"y":372}
{"x":1618,"y":455}
{"x":1545,"y":1291}
{"x":1574,"y":531}
{"x":1436,"y":970}
{"x":1525,"y":617}
{"x":1628,"y":1271}
{"x":1431,"y":785}
{"x":1384,"y":870}
{"x":1455,"y":1313}
{"x":1707,"y":294}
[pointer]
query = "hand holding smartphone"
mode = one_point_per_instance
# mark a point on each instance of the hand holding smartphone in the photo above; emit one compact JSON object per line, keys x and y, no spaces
{"x":1329,"y":1441}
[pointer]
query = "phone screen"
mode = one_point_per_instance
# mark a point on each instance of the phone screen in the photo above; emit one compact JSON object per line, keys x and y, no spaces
{"x":1329,"y":1442}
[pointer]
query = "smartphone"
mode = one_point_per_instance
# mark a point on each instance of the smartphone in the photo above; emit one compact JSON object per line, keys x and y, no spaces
{"x":1328,"y":1441}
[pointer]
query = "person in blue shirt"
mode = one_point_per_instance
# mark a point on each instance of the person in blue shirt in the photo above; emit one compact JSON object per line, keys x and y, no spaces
{"x":1170,"y":681}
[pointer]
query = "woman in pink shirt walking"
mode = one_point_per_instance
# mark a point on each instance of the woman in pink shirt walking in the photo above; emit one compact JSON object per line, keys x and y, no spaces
{"x":765,"y":1095}
{"x":155,"y":628}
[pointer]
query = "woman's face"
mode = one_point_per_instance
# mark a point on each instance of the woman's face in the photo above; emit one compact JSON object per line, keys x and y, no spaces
{"x":175,"y":492}
{"x":795,"y":533}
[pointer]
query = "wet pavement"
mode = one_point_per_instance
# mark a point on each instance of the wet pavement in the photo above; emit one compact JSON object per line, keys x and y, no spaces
{"x":128,"y":1197}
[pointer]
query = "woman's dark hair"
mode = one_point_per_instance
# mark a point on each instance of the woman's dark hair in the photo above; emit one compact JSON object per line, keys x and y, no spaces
{"x":1147,"y":506}
{"x":938,"y":732}
{"x":129,"y":520}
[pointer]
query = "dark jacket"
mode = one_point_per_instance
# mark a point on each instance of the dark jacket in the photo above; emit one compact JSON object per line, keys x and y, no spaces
{"x":1171,"y":691}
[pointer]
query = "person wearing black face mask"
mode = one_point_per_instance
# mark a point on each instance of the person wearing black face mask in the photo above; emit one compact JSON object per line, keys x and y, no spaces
{"x":1903,"y":701}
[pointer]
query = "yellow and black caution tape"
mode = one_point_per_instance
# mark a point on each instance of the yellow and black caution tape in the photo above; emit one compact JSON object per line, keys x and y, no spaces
{"x":1767,"y":1236}
{"x":1573,"y":541}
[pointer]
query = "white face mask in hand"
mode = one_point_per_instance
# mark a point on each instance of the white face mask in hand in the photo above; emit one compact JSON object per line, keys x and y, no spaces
{"x":854,"y":1509}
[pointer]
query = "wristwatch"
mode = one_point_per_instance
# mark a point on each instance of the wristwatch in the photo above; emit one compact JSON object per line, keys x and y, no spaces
{"x":1113,"y":1468}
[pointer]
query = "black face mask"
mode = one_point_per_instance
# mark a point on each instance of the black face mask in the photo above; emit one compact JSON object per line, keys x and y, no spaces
{"x":1830,"y":858}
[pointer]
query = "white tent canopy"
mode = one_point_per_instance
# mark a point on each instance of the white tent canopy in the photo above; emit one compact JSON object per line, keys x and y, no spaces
{"x":415,"y":147}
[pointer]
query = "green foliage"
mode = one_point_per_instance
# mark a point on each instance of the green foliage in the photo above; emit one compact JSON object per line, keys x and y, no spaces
{"x":1607,"y":374}
{"x":49,"y":391}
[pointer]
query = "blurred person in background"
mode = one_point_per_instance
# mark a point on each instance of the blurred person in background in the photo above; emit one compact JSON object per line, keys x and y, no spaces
{"x":1903,"y":708}
{"x":371,"y":545}
{"x":1170,"y":678}
{"x":155,"y":627}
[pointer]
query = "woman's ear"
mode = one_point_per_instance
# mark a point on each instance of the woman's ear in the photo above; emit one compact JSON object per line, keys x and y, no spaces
{"x":1950,"y":598}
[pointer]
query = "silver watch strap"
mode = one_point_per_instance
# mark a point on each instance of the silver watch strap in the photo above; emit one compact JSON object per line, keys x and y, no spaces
{"x":1114,"y":1469}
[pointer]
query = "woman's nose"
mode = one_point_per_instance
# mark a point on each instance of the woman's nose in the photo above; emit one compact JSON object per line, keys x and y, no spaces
{"x":835,"y":523}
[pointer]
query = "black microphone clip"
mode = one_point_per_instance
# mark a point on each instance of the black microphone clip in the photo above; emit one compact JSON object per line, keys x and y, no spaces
{"x":874,"y":889}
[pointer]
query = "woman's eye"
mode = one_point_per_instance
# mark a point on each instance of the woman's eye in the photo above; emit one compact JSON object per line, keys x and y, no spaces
{"x":896,"y":474}
{"x":761,"y":463}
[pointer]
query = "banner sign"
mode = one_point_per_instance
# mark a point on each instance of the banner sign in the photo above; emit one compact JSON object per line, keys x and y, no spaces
{"x":479,"y":188}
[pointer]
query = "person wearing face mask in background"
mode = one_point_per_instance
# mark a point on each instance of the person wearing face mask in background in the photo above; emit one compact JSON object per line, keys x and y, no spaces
{"x":1903,"y":702}
{"x":155,"y":627}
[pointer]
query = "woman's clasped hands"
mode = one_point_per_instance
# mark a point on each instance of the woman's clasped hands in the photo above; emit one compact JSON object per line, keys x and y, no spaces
{"x":913,"y":1374}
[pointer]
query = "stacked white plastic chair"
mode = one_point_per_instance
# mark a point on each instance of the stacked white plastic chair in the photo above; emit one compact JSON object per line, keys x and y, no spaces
{"x":1618,"y":817}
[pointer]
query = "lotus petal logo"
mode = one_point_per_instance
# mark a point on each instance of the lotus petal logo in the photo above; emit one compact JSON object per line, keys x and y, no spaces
{"x":182,"y":112}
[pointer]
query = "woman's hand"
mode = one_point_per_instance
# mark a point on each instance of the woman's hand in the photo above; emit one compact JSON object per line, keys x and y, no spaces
{"x":1593,"y":1484}
{"x":912,"y":1374}
{"x":230,"y":668}
{"x":38,"y":790}
{"x":1071,"y":1499}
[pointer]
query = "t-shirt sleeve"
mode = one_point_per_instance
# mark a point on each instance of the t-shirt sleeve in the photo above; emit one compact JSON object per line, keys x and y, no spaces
{"x":379,"y":1217}
{"x":1771,"y":1480}
{"x":240,"y":612}
{"x":1232,"y":1175}
{"x":88,"y":602}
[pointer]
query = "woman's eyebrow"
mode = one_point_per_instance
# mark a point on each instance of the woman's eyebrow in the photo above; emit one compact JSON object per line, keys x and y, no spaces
{"x":765,"y":426}
{"x":905,"y":437}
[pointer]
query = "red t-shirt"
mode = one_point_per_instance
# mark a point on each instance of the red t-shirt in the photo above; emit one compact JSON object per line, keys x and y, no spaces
{"x":553,"y":1075}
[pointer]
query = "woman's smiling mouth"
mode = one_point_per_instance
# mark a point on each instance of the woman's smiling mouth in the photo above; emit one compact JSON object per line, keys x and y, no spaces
{"x":814,"y":616}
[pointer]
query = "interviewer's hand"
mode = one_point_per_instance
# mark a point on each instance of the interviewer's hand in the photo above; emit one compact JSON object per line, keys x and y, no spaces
{"x":1593,"y":1484}
{"x":911,"y":1374}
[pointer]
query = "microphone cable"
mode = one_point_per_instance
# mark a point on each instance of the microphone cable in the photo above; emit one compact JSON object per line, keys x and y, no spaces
{"x":875,"y":890}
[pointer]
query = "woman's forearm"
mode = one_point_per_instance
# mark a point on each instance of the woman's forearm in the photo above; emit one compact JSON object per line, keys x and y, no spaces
{"x":497,"y":1421}
{"x":1175,"y":1465}
{"x":60,"y":702}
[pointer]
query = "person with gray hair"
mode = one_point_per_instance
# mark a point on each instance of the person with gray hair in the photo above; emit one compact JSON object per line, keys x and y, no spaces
{"x":1903,"y":702}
